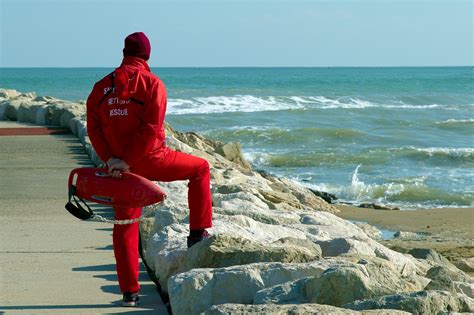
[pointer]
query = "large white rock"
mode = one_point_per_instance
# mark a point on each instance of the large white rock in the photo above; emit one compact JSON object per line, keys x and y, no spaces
{"x":7,"y":93}
{"x":168,"y":245}
{"x":3,"y":106}
{"x":195,"y":291}
{"x":27,"y":112}
{"x":422,"y":302}
{"x":338,"y":285}
{"x":294,"y":309}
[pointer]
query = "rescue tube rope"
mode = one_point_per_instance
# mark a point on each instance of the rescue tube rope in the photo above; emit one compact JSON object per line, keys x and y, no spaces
{"x":99,"y":218}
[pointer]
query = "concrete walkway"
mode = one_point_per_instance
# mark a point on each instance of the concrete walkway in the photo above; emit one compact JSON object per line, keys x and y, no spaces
{"x":51,"y":262}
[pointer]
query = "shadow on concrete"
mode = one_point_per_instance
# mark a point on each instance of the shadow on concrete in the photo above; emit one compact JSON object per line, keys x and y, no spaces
{"x":56,"y":307}
{"x":144,"y":307}
{"x":76,"y":149}
{"x":98,"y":269}
{"x":105,"y":229}
{"x":108,"y":247}
{"x":108,"y":267}
{"x":142,"y":276}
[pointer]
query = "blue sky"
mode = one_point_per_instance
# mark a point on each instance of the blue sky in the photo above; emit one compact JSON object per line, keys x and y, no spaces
{"x":81,"y":33}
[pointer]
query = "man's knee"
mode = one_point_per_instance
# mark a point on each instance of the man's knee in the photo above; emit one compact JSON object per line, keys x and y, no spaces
{"x":202,"y":169}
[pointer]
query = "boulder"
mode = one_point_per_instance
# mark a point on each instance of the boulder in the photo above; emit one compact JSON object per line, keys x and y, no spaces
{"x":27,"y":112}
{"x":3,"y":106}
{"x":444,"y":278}
{"x":53,"y":114}
{"x":6,"y":93}
{"x":233,"y":152}
{"x":170,"y":254}
{"x":405,"y":235}
{"x":11,"y":109}
{"x":296,"y":309}
{"x":197,"y":290}
{"x":248,"y":204}
{"x":377,"y":206}
{"x":67,"y":115}
{"x":225,"y":250}
{"x":362,"y":281}
{"x":41,"y":115}
{"x":433,"y":258}
{"x":45,"y":99}
{"x":465,"y":264}
{"x":307,"y":198}
{"x":74,"y":125}
{"x":278,"y":197}
{"x":329,"y":198}
{"x":342,"y":284}
{"x":146,"y":228}
{"x":11,"y":105}
{"x":421,"y":302}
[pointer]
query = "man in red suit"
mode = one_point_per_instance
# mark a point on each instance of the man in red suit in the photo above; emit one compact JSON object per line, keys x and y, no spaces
{"x":125,"y":116}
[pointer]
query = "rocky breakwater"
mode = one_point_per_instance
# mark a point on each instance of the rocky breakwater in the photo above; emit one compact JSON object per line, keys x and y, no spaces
{"x":276,"y":247}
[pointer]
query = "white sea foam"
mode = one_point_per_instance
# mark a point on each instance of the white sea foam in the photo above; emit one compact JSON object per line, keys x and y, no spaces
{"x":456,"y":121}
{"x":452,"y":152}
{"x":409,"y":106}
{"x":250,"y":103}
{"x":237,"y":103}
{"x":256,"y":158}
{"x":411,"y":193}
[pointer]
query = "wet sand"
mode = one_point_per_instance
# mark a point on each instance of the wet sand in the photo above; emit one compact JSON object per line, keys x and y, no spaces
{"x":449,"y":231}
{"x":455,"y":222}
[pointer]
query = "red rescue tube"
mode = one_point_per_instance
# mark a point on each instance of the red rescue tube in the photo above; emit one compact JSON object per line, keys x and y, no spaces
{"x":130,"y":191}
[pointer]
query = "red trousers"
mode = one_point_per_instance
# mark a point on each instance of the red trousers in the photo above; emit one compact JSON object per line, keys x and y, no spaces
{"x":166,"y":166}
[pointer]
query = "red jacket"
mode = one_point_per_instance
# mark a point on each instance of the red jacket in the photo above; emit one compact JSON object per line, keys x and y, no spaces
{"x":126,"y":112}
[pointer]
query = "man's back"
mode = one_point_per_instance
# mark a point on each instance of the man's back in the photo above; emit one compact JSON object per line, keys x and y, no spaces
{"x":124,"y":105}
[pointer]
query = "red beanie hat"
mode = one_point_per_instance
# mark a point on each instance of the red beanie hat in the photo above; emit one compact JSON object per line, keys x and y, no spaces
{"x":137,"y":45}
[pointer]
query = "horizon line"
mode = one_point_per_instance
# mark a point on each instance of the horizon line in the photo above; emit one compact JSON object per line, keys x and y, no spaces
{"x":221,"y":67}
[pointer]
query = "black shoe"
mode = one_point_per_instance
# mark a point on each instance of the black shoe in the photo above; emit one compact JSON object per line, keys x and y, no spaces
{"x":196,"y":239}
{"x":130,"y":299}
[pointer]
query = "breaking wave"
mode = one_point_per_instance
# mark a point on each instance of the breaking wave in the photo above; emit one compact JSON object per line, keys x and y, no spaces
{"x":376,"y":156}
{"x":250,"y":103}
{"x":409,"y":193}
{"x":458,"y":154}
{"x":275,"y":135}
{"x":455,"y":123}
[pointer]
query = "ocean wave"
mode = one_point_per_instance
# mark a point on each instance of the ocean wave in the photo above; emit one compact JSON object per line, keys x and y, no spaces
{"x":272,"y":135}
{"x":455,"y":123}
{"x":250,"y":103}
{"x":223,"y":104}
{"x":464,"y":157}
{"x":323,"y":102}
{"x":410,"y":193}
{"x":408,"y":106}
{"x":440,"y":152}
{"x":290,"y":159}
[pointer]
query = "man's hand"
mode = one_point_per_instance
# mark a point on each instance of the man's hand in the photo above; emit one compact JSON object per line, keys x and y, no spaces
{"x":116,"y":167}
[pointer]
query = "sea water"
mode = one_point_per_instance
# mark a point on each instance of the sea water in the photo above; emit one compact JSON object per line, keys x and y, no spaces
{"x":397,"y":136}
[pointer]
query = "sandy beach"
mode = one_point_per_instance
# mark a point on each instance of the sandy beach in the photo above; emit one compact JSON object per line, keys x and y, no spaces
{"x":458,"y":222}
{"x":450,"y":231}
